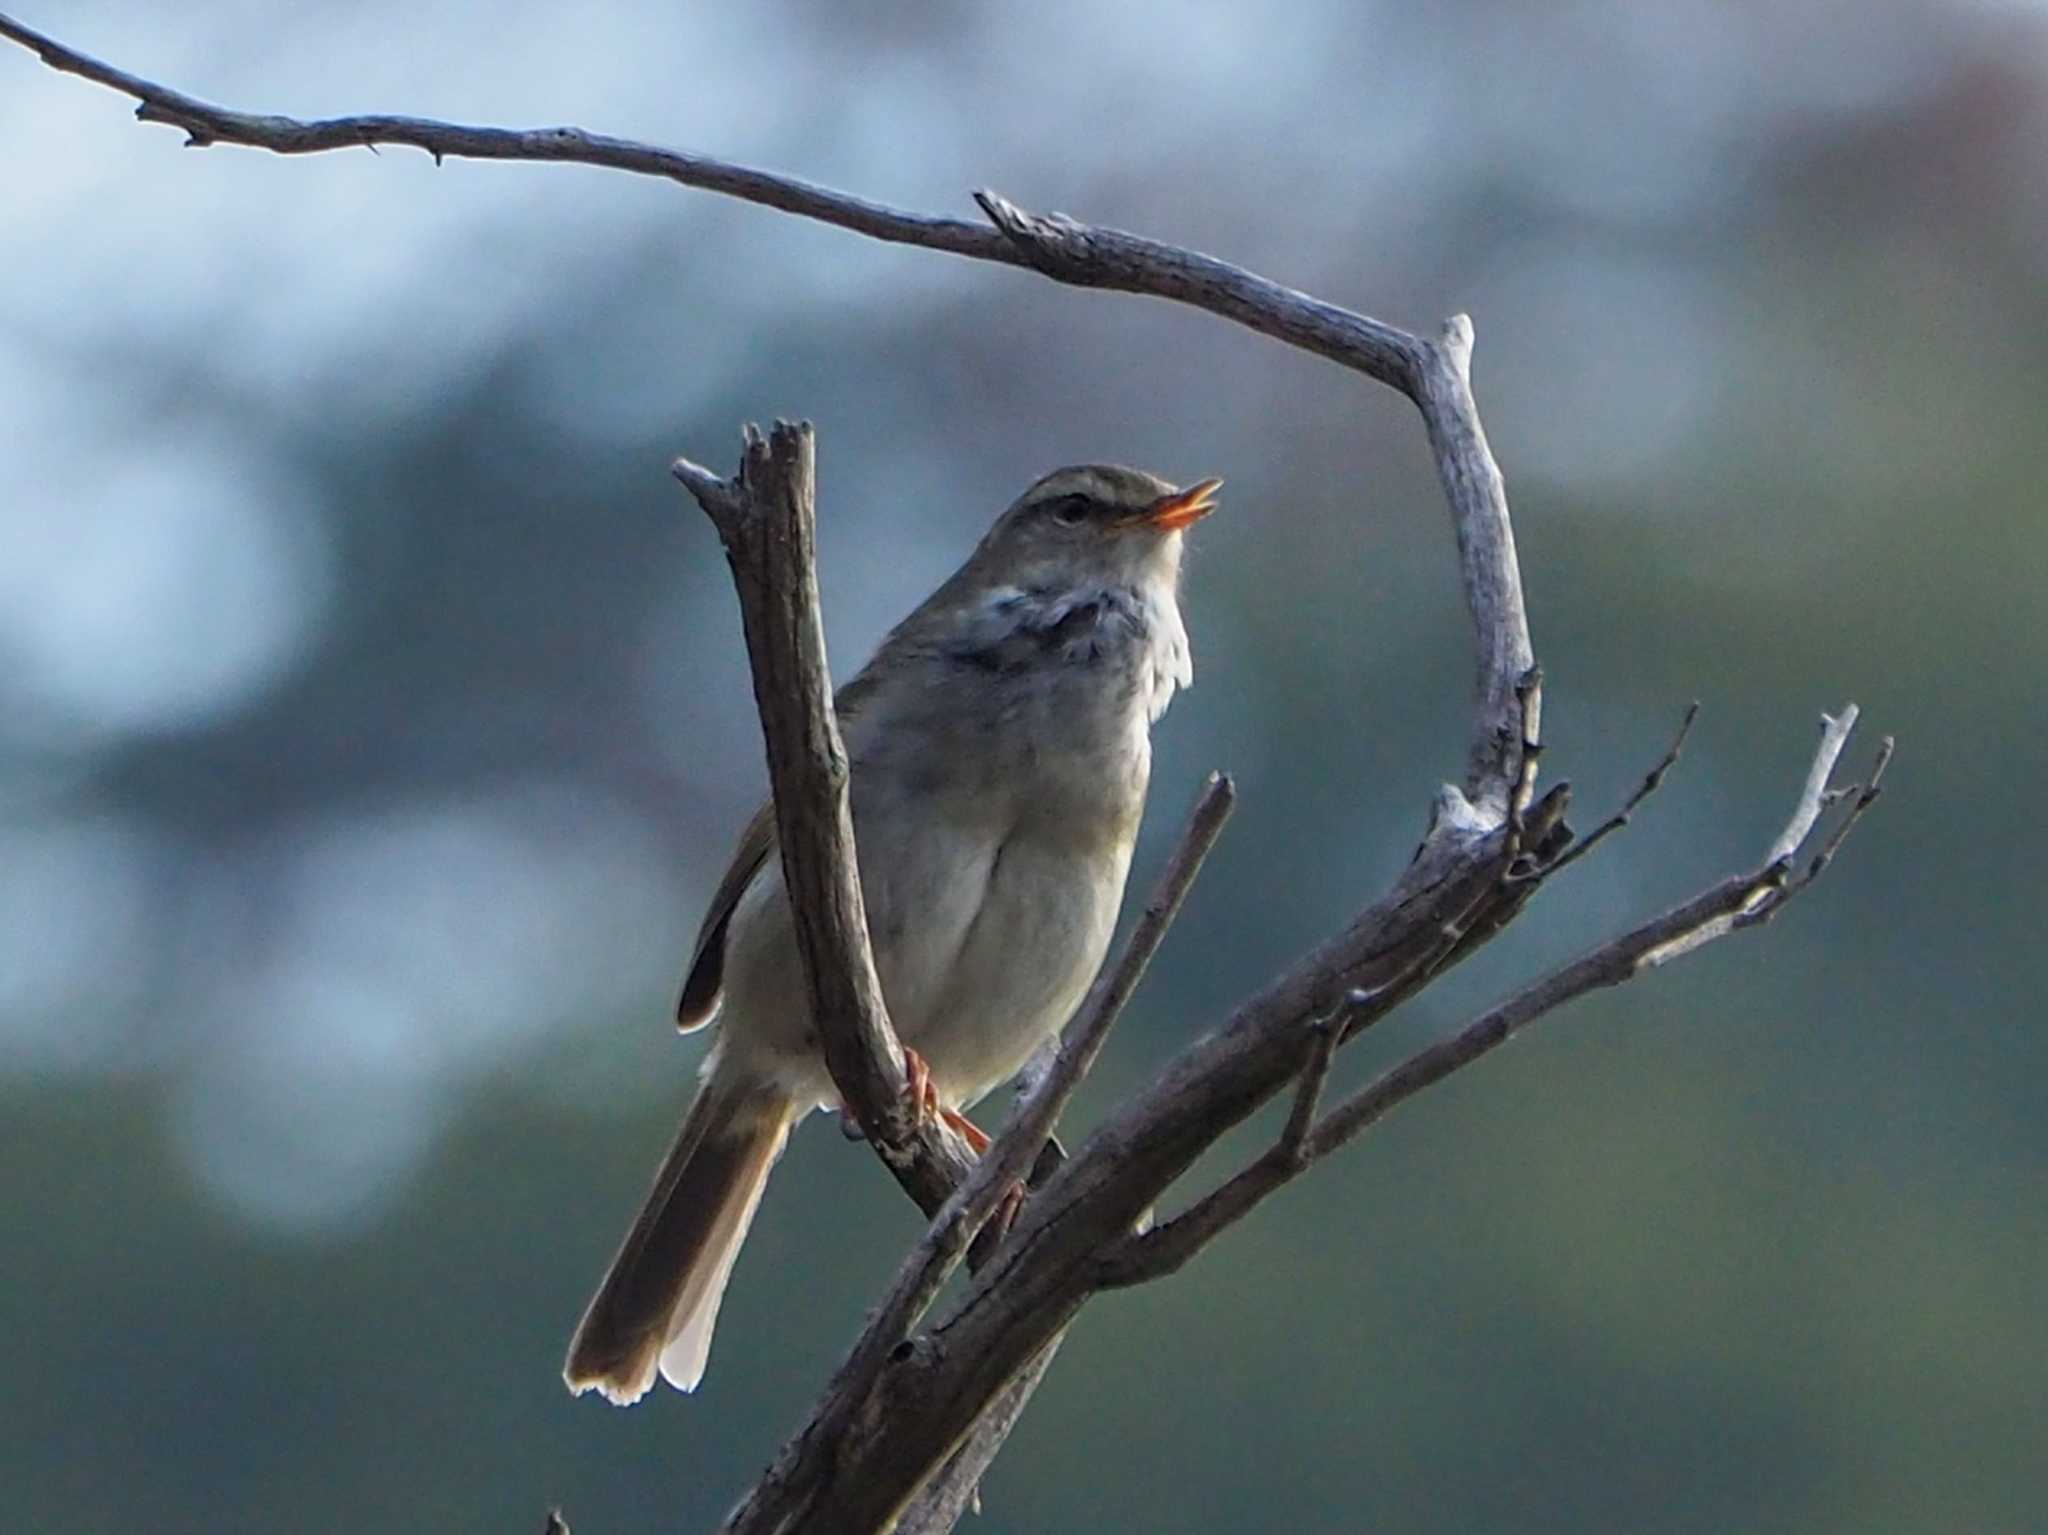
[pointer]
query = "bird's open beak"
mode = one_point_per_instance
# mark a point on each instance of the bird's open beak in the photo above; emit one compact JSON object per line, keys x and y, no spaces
{"x":1171,"y":513}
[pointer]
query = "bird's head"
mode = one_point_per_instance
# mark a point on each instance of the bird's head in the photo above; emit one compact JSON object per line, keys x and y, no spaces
{"x":1094,"y":525}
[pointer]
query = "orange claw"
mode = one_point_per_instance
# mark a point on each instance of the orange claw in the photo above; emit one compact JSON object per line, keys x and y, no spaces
{"x":1004,"y":1216}
{"x":923,"y":1097}
{"x":920,"y":1094}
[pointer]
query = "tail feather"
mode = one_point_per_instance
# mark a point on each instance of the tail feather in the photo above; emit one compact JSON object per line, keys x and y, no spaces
{"x":659,"y":1301}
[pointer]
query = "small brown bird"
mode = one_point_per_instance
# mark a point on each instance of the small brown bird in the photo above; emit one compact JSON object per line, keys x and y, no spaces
{"x":999,"y":744}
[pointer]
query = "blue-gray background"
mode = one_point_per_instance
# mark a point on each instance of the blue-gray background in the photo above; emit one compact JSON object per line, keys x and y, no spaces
{"x":375,"y":722}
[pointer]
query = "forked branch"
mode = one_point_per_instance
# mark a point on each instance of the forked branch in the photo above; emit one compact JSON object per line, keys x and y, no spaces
{"x":1738,"y":901}
{"x":766,"y":517}
{"x":906,"y":1426}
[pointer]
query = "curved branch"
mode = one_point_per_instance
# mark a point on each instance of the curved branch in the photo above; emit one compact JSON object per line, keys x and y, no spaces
{"x":1061,"y":249}
{"x":1435,"y":375}
{"x":1509,"y":699}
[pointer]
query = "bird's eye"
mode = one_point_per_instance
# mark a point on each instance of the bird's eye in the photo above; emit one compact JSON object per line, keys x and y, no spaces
{"x":1069,"y":511}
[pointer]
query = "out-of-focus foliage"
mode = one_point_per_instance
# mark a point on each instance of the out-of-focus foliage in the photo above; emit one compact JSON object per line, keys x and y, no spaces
{"x":374,"y":723}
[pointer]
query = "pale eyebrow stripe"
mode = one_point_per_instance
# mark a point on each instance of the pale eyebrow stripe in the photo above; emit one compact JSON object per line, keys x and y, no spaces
{"x":1069,"y":482}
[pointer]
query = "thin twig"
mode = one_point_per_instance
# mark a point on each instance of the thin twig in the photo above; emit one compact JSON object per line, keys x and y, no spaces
{"x":1017,"y":1145}
{"x":1324,"y":1038}
{"x":1834,"y":735}
{"x":1010,"y":1157}
{"x":1652,"y":781}
{"x":1367,"y":1005}
{"x":1145,"y":1255}
{"x":1865,"y":796}
{"x":1718,"y":911}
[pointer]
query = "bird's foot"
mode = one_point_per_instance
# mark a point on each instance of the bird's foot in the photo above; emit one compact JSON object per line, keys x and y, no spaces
{"x":920,"y":1094}
{"x":978,"y":1139}
{"x":1005,"y":1214}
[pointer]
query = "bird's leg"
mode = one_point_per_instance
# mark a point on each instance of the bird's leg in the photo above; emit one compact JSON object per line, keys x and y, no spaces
{"x":977,"y":1138}
{"x":924,"y":1100}
{"x":1004,"y":1215}
{"x":920,"y":1093}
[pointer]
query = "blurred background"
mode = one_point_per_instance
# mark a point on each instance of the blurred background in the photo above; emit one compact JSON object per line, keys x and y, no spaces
{"x":375,"y":723}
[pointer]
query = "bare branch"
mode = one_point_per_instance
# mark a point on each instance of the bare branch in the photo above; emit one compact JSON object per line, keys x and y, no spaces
{"x":206,"y":124}
{"x":1010,"y":1157}
{"x":1150,"y":1254}
{"x":1066,"y":251}
{"x":1492,"y":574}
{"x":1652,"y":781}
{"x":1017,"y":1145}
{"x":766,"y":518}
{"x":1089,"y":256}
{"x":1864,"y":797}
{"x":883,"y":1340}
{"x":927,"y":1410}
{"x":957,"y":1486}
{"x":1323,"y":1039}
{"x":1141,"y":1256}
{"x":1710,"y":915}
{"x":1834,"y":735}
{"x":1436,"y":375}
{"x":936,"y":1384}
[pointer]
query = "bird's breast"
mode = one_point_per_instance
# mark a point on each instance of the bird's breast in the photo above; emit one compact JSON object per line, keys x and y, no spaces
{"x":1045,"y":699}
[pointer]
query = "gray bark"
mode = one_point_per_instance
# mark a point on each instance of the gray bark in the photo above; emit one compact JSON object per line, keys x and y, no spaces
{"x":903,"y":1431}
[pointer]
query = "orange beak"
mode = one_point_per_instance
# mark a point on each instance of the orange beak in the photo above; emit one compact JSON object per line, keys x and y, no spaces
{"x":1171,"y":513}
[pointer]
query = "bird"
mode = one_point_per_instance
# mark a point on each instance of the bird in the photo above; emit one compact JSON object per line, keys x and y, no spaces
{"x":999,"y":749}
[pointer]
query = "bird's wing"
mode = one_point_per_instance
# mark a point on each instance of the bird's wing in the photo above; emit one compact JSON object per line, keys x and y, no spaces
{"x":706,"y":980}
{"x":707,"y":963}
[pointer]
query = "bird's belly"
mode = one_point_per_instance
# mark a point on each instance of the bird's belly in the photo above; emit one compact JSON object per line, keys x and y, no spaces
{"x":991,"y":870}
{"x":1020,"y":967}
{"x":984,"y":945}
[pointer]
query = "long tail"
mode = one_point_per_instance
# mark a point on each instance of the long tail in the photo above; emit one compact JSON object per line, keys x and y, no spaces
{"x":657,"y":1304}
